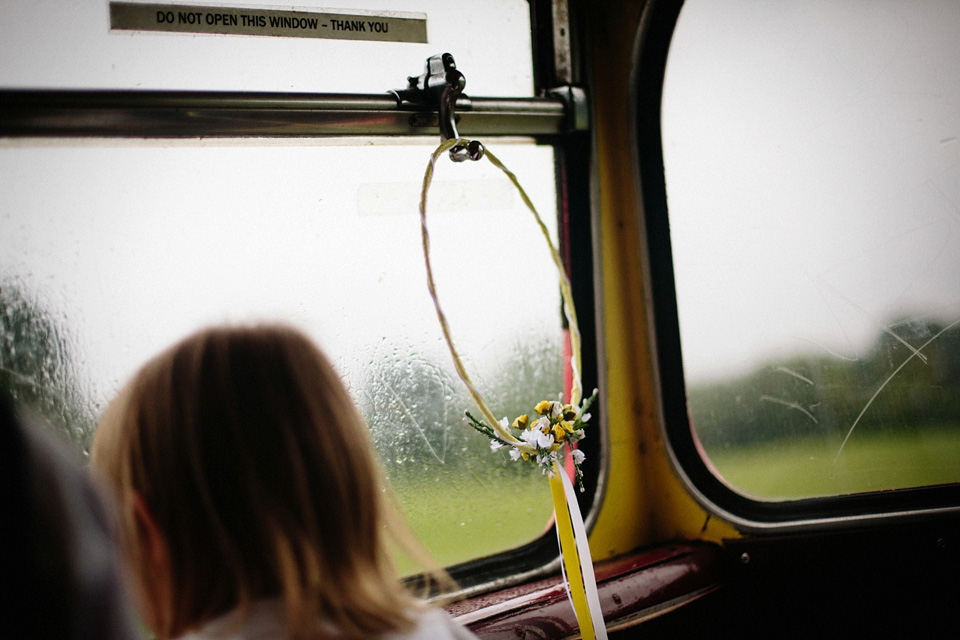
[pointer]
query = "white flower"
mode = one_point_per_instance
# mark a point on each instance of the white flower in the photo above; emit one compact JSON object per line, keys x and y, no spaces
{"x":544,"y":440}
{"x":555,"y":410}
{"x":504,"y":422}
{"x":495,"y":444}
{"x":543,"y":424}
{"x":514,"y":454}
{"x":546,"y":461}
{"x":578,"y":456}
{"x":584,"y":417}
{"x":530,"y":436}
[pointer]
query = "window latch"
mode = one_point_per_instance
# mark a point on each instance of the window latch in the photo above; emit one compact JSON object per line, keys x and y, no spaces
{"x":440,"y":85}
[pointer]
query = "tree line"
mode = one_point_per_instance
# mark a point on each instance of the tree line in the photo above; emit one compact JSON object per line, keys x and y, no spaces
{"x":905,"y":382}
{"x":37,"y":368}
{"x":413,"y":405}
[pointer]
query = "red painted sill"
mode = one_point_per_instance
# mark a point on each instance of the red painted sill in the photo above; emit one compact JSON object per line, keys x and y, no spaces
{"x":633,"y":588}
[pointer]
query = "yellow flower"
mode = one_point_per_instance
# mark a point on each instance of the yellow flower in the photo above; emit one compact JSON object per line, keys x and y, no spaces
{"x":521,"y":422}
{"x":569,"y":412}
{"x":558,"y":432}
{"x":543,"y":407}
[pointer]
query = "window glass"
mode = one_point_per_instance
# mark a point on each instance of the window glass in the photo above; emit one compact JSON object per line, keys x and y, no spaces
{"x":110,"y":251}
{"x":812,"y":162}
{"x":69,"y":45}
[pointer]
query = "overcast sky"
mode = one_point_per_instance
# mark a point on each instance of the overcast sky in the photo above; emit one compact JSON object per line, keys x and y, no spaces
{"x":133,"y":244}
{"x":812,"y":158}
{"x":813,"y":175}
{"x":51,"y":43}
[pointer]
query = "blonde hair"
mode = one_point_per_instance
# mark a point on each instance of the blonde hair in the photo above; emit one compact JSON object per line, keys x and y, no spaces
{"x":252,"y":459}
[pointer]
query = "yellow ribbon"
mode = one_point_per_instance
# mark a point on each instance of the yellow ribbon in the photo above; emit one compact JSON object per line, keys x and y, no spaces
{"x":569,"y":555}
{"x":574,"y":550}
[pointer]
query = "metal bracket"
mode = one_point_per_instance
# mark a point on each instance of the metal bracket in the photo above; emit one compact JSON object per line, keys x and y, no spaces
{"x":440,"y":85}
{"x":575,"y":107}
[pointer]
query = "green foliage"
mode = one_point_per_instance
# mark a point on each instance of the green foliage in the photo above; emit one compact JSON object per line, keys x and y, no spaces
{"x":822,"y":397}
{"x":415,"y":407}
{"x":36,"y":367}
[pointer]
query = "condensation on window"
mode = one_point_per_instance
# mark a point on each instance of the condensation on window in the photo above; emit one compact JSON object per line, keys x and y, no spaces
{"x":812,"y":161}
{"x":111,"y":251}
{"x":51,"y":44}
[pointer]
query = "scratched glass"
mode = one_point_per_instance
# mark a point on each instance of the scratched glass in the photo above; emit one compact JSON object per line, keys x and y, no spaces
{"x":812,"y":162}
{"x":69,"y":45}
{"x":110,"y":251}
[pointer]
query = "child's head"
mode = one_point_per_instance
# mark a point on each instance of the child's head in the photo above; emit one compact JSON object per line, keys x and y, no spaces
{"x":244,"y":471}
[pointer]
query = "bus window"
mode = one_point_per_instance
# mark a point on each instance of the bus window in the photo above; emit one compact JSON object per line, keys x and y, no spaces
{"x":129,"y":248}
{"x":113,"y":246}
{"x":812,"y":168}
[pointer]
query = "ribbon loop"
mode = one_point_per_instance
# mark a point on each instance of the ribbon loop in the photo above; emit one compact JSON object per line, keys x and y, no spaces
{"x":542,"y":438}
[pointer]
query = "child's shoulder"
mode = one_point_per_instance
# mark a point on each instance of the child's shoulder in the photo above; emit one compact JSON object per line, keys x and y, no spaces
{"x":433,"y":624}
{"x":265,"y":621}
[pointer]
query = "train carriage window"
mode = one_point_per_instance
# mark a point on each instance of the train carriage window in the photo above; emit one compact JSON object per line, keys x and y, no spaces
{"x":125,"y":227}
{"x":812,"y":168}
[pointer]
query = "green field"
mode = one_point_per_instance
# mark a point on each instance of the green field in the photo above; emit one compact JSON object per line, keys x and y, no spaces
{"x":462,"y":516}
{"x":869,"y":462}
{"x":459,"y":517}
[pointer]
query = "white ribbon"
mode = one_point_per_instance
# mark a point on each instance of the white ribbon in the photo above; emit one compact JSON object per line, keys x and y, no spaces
{"x":586,"y":562}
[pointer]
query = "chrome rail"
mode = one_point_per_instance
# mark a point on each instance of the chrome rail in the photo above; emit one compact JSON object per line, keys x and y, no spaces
{"x":180,"y":114}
